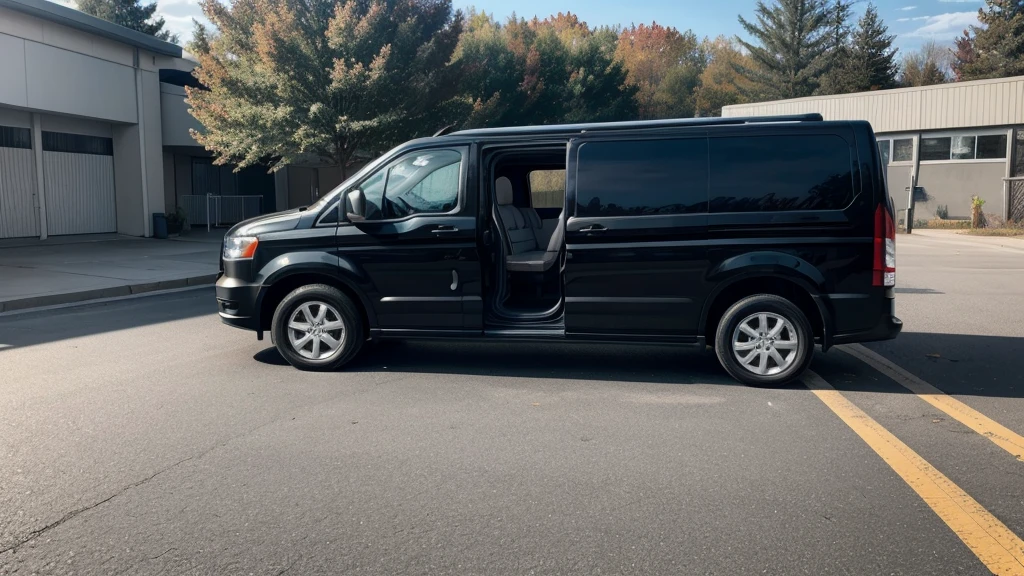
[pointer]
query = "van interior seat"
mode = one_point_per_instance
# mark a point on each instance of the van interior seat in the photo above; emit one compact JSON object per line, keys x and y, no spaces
{"x":525,"y":230}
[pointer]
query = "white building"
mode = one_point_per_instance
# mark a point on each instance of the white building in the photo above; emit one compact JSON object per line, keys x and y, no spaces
{"x":94,"y":131}
{"x":955,"y":140}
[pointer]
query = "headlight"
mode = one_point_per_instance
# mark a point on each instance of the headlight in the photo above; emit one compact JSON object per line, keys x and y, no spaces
{"x":240,"y":247}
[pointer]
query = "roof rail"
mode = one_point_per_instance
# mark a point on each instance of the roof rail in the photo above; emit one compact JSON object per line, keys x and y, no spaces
{"x":633,"y":125}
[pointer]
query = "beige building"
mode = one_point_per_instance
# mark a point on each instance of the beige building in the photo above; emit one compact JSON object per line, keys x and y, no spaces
{"x":953,"y":140}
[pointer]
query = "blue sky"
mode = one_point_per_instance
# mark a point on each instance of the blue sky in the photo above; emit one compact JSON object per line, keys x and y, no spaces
{"x":913,"y":21}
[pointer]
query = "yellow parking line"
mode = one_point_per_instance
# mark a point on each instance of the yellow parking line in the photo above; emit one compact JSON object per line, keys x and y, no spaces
{"x":992,"y":542}
{"x":1001,"y":435}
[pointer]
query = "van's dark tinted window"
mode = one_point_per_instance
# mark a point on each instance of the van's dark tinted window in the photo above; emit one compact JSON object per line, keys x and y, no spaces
{"x":776,"y":173}
{"x":638,"y":178}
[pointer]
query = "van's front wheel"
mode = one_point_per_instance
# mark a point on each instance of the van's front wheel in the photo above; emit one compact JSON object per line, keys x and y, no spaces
{"x":317,"y":327}
{"x":764,"y":340}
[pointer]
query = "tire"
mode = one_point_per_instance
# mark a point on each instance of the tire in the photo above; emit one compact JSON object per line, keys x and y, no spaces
{"x":732,"y":340}
{"x":329,"y":316}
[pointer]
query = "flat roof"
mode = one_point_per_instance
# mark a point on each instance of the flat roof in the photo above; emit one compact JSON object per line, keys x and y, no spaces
{"x":634,"y":125}
{"x":82,"y":21}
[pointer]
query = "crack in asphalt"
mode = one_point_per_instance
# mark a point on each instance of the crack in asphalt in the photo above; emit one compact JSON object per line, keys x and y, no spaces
{"x":13,"y":548}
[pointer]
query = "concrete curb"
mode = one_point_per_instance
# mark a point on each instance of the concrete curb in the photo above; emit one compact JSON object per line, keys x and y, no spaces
{"x":31,"y":302}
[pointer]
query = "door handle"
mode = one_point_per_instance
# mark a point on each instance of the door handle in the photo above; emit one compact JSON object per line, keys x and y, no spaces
{"x":444,"y":230}
{"x":455,"y":280}
{"x":593,"y":228}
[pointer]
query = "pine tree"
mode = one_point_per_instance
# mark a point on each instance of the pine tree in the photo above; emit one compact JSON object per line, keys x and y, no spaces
{"x":869,"y":63}
{"x":839,"y":33}
{"x":996,"y":48}
{"x":130,"y":14}
{"x":839,"y":78}
{"x":872,"y":45}
{"x":792,"y":47}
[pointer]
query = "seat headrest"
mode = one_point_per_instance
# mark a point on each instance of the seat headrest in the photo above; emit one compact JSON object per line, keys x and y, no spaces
{"x":503,"y":191}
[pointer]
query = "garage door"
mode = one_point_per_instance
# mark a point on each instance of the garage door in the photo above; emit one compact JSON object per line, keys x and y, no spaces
{"x":78,"y":174}
{"x":18,"y":215}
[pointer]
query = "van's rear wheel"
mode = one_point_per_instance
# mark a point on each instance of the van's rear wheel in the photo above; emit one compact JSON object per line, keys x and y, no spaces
{"x":317,"y":327}
{"x":764,"y":340}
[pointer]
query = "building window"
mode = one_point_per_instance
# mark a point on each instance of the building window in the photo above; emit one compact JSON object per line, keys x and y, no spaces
{"x":11,"y":137}
{"x":992,"y":147}
{"x":883,"y":151}
{"x":77,"y":144}
{"x":936,"y":148}
{"x":963,"y":147}
{"x":903,"y":150}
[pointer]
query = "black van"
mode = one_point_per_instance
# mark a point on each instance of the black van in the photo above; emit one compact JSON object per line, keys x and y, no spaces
{"x":759,"y":237}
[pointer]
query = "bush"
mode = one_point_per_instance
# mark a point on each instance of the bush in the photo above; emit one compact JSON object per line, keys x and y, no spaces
{"x":177,"y":221}
{"x":942,"y":211}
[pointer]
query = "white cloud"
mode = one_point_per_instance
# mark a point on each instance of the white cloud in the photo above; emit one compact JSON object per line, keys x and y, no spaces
{"x":961,"y":1}
{"x":915,"y":18}
{"x":945,"y":25}
{"x":908,"y":8}
{"x":178,"y":15}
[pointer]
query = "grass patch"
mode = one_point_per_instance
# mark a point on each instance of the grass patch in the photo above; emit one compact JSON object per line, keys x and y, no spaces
{"x":940,"y":224}
{"x":993,"y":232}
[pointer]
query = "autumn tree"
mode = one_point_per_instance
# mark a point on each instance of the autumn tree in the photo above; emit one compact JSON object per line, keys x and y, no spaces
{"x":720,"y":83}
{"x":290,"y":80}
{"x":790,"y":48}
{"x":925,"y":67}
{"x":130,"y":14}
{"x":665,"y":65}
{"x":963,"y":56}
{"x":541,"y":72}
{"x":995,"y":49}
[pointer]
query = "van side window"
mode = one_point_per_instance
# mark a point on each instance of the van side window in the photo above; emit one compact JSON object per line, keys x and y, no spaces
{"x":780,"y":173}
{"x":424,"y":182}
{"x":547,"y":189}
{"x":642,"y":177}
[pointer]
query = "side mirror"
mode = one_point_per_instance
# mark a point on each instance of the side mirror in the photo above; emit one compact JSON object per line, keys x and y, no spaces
{"x":355,"y":206}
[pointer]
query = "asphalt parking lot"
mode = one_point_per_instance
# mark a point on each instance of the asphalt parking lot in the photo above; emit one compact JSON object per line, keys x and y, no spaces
{"x":144,"y":437}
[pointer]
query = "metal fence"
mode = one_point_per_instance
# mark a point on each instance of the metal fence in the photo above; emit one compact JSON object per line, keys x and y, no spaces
{"x":214,"y":210}
{"x":1015,"y":199}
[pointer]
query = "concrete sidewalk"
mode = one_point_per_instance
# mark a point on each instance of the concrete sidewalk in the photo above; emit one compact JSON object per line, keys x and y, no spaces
{"x":63,"y":270}
{"x":953,"y":237}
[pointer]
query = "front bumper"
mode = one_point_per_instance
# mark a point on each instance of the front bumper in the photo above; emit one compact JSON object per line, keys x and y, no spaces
{"x":238,"y":303}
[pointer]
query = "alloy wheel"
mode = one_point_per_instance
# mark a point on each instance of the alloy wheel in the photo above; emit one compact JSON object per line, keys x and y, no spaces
{"x":765,"y":343}
{"x":315,"y":330}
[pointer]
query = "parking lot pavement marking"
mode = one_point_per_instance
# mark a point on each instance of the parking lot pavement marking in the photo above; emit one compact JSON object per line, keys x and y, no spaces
{"x":1000,"y":435}
{"x":992,"y":542}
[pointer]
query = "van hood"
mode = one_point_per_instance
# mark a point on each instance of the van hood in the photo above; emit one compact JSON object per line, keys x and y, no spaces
{"x":275,"y":222}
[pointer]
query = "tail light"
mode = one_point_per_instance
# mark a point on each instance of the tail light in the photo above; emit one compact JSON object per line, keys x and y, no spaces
{"x":884,"y":269}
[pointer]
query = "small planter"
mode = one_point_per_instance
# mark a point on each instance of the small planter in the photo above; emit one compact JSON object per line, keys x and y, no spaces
{"x":176,"y":222}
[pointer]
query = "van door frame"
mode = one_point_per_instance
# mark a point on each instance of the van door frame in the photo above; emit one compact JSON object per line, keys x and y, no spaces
{"x":493,"y":242}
